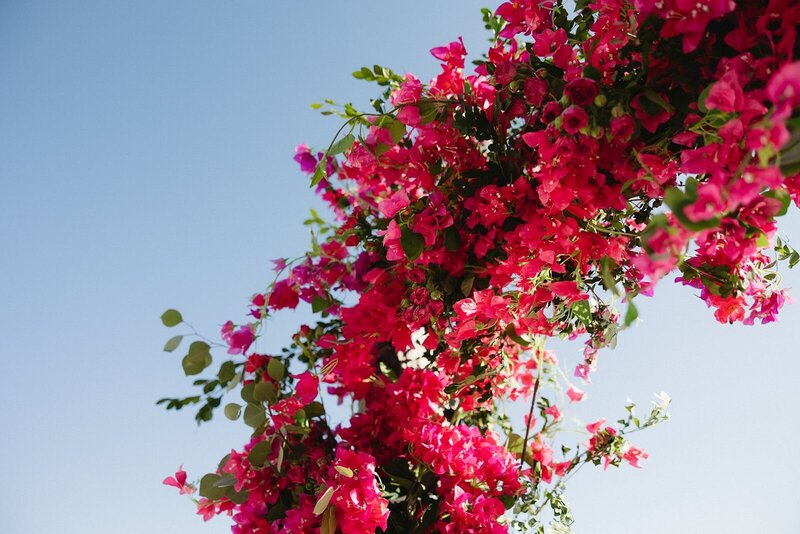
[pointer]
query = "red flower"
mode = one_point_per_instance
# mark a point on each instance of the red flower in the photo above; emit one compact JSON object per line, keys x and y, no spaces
{"x":575,"y":118}
{"x":582,"y":91}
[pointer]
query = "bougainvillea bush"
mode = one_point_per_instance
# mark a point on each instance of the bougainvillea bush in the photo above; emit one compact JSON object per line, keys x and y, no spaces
{"x":589,"y":153}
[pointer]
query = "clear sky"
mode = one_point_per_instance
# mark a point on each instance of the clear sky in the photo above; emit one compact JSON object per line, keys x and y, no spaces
{"x":145,"y":163}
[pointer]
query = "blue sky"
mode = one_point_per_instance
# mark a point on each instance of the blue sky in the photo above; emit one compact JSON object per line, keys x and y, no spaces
{"x":145,"y":163}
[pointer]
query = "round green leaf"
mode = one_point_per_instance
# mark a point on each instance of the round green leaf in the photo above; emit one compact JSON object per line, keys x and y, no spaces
{"x":209,"y":489}
{"x":171,"y":318}
{"x":264,"y":392}
{"x":276,"y":369}
{"x":259,"y":453}
{"x":233,"y":411}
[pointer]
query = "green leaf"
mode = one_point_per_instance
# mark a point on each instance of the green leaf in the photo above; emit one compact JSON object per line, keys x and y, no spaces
{"x":427,"y":111}
{"x":319,"y":304}
{"x":323,"y":501}
{"x":319,"y":173}
{"x":225,"y":481}
{"x":592,"y":73}
{"x":226,"y":372}
{"x":199,"y":348}
{"x":344,"y":471}
{"x":582,"y":310}
{"x":264,"y":392}
{"x":276,"y":370}
{"x":194,"y":364}
{"x":701,"y":101}
{"x":466,"y":285}
{"x":209,"y":489}
{"x":171,"y":318}
{"x":259,"y":453}
{"x":172,"y":343}
{"x":342,"y":145}
{"x":511,"y":332}
{"x":247,"y":392}
{"x":452,"y":239}
{"x":397,"y":130}
{"x":794,"y":259}
{"x":237,"y":497}
{"x":631,"y":314}
{"x":607,"y":265}
{"x":658,"y":100}
{"x":232,"y":411}
{"x":413,"y":243}
{"x":254,"y":415}
{"x":328,"y":522}
{"x":314,"y":409}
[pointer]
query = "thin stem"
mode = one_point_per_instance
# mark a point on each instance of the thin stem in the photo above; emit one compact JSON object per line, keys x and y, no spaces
{"x":530,"y":412}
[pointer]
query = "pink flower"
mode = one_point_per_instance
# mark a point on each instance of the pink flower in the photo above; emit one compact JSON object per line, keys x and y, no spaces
{"x":283,"y":295}
{"x":726,"y":94}
{"x":633,"y":455}
{"x":575,"y":394}
{"x":304,"y":157}
{"x":390,"y":206}
{"x":553,"y":412}
{"x":179,"y":481}
{"x":784,"y":88}
{"x":452,"y":54}
{"x":357,"y":499}
{"x":593,"y":428}
{"x":238,"y":340}
{"x":306,"y":388}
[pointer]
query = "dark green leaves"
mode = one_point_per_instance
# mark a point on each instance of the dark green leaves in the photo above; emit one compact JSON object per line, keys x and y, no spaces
{"x":171,"y":318}
{"x":320,"y":303}
{"x":227,"y":371}
{"x":209,"y":488}
{"x":215,"y":487}
{"x":452,"y":239}
{"x":198,"y":359}
{"x":413,"y":243}
{"x":259,"y":453}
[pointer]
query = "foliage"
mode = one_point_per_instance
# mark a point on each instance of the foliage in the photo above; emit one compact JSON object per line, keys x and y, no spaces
{"x":587,"y":156}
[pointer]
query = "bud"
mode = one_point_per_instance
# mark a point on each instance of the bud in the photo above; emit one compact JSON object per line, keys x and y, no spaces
{"x":600,"y":100}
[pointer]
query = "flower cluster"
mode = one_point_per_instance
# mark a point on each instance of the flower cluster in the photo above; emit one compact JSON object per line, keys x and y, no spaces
{"x":588,"y":155}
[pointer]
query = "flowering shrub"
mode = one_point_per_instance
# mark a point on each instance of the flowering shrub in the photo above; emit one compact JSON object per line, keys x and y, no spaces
{"x":588,"y":155}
